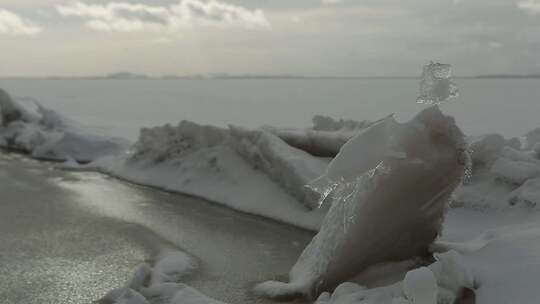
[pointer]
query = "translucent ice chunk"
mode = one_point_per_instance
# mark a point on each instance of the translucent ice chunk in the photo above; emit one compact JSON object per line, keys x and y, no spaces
{"x":436,"y":85}
{"x":387,"y":190}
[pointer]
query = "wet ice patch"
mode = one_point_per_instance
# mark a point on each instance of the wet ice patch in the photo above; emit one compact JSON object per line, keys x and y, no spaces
{"x":436,"y":85}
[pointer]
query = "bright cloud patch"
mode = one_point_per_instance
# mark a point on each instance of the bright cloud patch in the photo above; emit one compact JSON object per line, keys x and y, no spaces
{"x":13,"y":24}
{"x":530,"y":6}
{"x":330,"y":2}
{"x":125,"y":17}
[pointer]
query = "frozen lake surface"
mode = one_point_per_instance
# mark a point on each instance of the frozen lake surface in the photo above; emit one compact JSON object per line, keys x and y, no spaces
{"x":69,"y":237}
{"x":120,"y":107}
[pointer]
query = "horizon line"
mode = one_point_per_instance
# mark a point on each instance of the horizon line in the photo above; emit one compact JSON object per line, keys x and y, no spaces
{"x":136,"y":76}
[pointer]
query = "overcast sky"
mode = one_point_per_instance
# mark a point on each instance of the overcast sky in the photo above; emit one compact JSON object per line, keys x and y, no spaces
{"x":301,"y":37}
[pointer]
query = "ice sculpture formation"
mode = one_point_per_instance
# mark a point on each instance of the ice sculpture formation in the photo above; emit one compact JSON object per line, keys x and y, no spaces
{"x":436,"y":84}
{"x":388,"y":189}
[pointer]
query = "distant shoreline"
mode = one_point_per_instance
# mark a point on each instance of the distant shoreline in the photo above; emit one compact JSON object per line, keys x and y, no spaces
{"x":130,"y":76}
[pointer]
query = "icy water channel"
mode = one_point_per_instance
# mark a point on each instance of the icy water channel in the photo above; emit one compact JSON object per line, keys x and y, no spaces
{"x":68,"y":237}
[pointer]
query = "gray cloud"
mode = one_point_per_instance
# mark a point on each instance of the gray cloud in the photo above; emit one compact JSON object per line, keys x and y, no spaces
{"x":13,"y":24}
{"x":368,"y":37}
{"x":126,"y":17}
{"x":530,"y":6}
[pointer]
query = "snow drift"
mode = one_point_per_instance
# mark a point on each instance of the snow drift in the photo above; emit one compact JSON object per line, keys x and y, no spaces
{"x":45,"y":134}
{"x":444,"y":281}
{"x":388,"y":189}
{"x":505,"y":174}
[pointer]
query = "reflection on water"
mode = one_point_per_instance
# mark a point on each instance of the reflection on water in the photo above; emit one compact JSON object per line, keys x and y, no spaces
{"x":82,"y":233}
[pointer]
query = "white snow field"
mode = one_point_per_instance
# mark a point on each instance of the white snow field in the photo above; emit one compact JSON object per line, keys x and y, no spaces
{"x":488,"y":250}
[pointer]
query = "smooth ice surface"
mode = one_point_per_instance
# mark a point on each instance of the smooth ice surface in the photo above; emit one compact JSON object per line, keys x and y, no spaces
{"x":436,"y":84}
{"x":54,"y":250}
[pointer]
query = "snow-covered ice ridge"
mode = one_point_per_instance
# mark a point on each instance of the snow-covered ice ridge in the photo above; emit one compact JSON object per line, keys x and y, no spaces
{"x":262,"y":171}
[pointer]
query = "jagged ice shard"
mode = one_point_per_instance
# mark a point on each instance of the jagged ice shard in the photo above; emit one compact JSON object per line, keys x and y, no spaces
{"x":436,"y":84}
{"x":387,"y":192}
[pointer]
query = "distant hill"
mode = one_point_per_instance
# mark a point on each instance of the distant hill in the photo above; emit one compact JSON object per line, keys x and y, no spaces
{"x":124,"y":75}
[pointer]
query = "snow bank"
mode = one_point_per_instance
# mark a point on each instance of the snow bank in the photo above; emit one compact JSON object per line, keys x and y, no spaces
{"x":514,"y":171}
{"x":205,"y":161}
{"x":527,"y":194}
{"x":532,"y":138}
{"x":501,"y":170}
{"x":45,"y":134}
{"x":486,"y":149}
{"x":501,"y":249}
{"x":389,"y":187}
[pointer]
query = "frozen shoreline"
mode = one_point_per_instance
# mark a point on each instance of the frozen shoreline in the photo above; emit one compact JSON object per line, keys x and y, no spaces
{"x":262,"y":172}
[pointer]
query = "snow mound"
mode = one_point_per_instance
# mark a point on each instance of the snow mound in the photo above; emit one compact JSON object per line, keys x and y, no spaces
{"x":43,"y":133}
{"x":502,"y":171}
{"x":171,"y":266}
{"x":420,"y":286}
{"x":409,"y":170}
{"x":289,"y":167}
{"x":327,"y":123}
{"x":487,"y":148}
{"x":527,"y":194}
{"x":514,"y":171}
{"x":159,"y":283}
{"x":160,"y":144}
{"x":532,"y":138}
